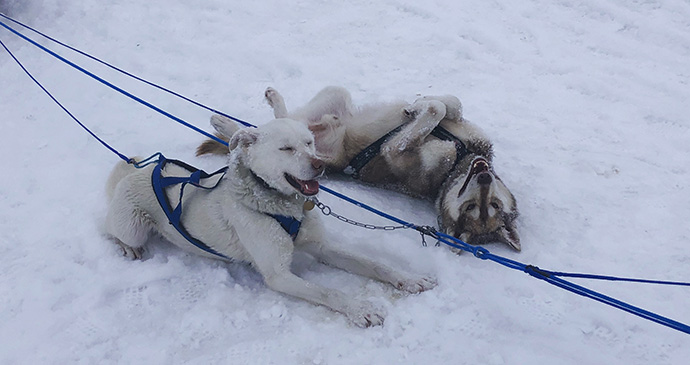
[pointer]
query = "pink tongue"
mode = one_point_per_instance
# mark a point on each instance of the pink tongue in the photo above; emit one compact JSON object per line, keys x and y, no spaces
{"x":309,"y":187}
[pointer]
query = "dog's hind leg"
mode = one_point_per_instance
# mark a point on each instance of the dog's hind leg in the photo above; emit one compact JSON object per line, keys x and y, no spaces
{"x":129,"y":226}
{"x":275,"y":100}
{"x":333,"y":255}
{"x":133,"y":253}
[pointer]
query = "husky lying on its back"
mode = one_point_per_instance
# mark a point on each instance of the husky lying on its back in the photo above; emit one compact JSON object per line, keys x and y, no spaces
{"x":271,"y":172}
{"x":423,"y":149}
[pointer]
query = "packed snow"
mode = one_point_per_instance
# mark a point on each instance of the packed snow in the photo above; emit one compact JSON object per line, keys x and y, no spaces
{"x":586,"y":102}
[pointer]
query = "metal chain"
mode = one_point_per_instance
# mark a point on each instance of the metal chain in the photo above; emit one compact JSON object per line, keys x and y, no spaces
{"x":326,"y":210}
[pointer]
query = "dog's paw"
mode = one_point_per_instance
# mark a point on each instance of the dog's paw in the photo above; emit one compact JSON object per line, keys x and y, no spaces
{"x":272,"y":96}
{"x":418,"y":285}
{"x":133,"y":253}
{"x":367,"y":316}
{"x":433,"y":108}
{"x":452,"y":103}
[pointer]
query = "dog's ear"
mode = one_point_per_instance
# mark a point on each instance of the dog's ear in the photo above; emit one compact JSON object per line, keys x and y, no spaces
{"x":508,"y":233}
{"x":224,"y":125}
{"x":243,"y":137}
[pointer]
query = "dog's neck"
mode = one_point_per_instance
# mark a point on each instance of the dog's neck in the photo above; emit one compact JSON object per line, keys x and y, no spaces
{"x":257,"y":194}
{"x":261,"y":181}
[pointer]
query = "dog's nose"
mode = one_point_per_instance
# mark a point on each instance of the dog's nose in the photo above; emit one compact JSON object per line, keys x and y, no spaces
{"x":484,"y":178}
{"x":317,"y":164}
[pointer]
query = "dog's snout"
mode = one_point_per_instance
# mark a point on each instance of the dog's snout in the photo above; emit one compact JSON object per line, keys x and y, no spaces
{"x":317,"y":164}
{"x":484,"y":178}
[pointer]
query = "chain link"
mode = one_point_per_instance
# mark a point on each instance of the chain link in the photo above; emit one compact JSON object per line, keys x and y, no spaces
{"x":326,"y":210}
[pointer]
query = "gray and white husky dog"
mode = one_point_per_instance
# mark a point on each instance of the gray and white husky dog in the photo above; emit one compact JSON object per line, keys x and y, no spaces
{"x":271,"y":172}
{"x":432,"y":152}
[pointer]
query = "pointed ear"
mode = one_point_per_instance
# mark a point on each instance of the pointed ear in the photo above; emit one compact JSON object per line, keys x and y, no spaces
{"x":243,"y":137}
{"x":224,"y":125}
{"x":508,"y":234}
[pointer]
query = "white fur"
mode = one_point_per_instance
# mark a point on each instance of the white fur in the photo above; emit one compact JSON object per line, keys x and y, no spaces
{"x":232,"y":218}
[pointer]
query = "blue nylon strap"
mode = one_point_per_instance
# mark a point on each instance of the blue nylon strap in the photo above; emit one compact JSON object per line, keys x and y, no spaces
{"x":614,"y":278}
{"x":160,"y":183}
{"x":125,"y":72}
{"x":60,"y":104}
{"x":174,"y":180}
{"x":484,"y":254}
{"x":110,"y":85}
{"x":580,"y":290}
{"x":290,"y":224}
{"x":174,"y":215}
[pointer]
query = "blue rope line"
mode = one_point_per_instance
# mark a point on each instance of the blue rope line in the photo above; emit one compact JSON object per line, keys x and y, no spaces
{"x":479,"y":252}
{"x":577,"y":289}
{"x":110,"y":85}
{"x":550,"y":277}
{"x":615,"y":278}
{"x":246,"y":124}
{"x":62,"y":106}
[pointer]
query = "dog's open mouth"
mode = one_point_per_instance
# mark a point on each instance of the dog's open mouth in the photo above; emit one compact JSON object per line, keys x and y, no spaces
{"x":306,"y":187}
{"x":478,"y":166}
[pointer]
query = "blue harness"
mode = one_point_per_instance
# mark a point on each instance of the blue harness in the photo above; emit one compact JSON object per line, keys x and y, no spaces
{"x":290,"y":224}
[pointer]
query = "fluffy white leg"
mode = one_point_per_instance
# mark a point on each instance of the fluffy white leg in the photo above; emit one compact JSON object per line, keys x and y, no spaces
{"x":271,"y":254}
{"x":357,"y":264}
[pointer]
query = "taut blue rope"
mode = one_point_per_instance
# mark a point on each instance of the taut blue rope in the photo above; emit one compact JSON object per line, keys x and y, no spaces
{"x":61,"y":106}
{"x":553,"y":278}
{"x":110,"y":85}
{"x":125,"y":72}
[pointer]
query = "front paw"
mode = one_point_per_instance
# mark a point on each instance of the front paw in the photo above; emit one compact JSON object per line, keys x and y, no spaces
{"x":419,"y":108}
{"x":367,"y":315}
{"x":418,"y":285}
{"x":452,"y":103}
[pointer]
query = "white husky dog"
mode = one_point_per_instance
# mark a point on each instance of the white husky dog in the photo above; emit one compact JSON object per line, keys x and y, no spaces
{"x":271,"y":172}
{"x":425,"y":149}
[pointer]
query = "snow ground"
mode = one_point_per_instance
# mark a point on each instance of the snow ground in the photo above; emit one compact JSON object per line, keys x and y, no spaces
{"x":586,"y":102}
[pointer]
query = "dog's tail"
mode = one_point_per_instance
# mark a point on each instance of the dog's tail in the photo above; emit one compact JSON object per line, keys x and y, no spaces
{"x":120,"y":171}
{"x":213,"y":147}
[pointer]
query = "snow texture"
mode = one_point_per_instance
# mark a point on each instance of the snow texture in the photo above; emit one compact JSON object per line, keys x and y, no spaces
{"x":586,"y":101}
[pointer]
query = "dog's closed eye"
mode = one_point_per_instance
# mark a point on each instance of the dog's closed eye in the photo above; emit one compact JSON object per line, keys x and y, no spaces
{"x":287,"y":148}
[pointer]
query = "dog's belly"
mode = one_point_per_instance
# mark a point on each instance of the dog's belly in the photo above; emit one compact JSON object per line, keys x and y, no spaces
{"x":416,"y":181}
{"x":418,"y":173}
